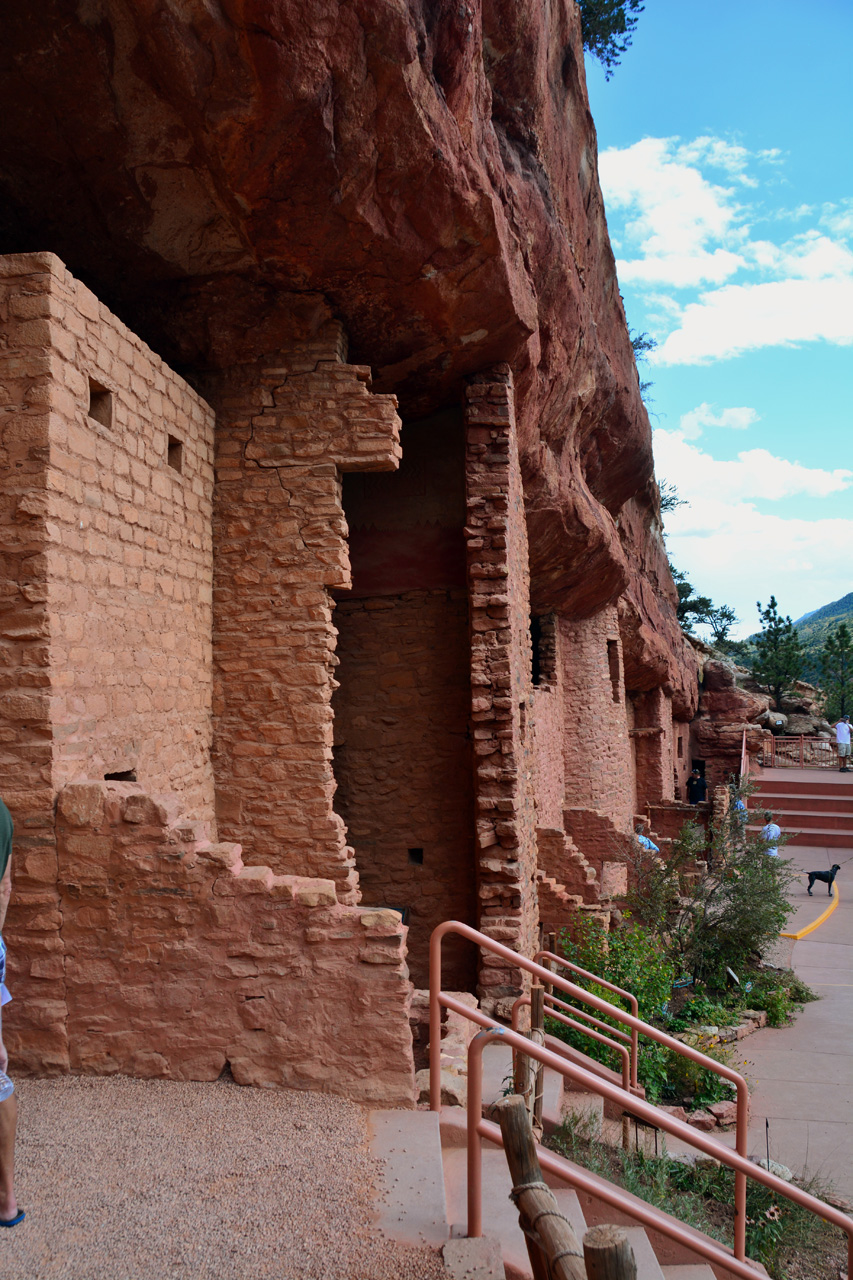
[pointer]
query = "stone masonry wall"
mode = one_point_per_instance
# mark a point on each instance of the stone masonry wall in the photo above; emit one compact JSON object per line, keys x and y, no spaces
{"x":549,"y":766}
{"x":596,"y":745}
{"x":26,"y":741}
{"x":179,"y":961}
{"x":119,"y":526}
{"x":403,"y":764}
{"x":652,"y":736}
{"x":498,"y":576}
{"x":286,"y":429}
{"x":106,"y":563}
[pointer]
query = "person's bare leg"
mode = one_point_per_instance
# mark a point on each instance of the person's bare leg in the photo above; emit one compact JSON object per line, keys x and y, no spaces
{"x":8,"y":1126}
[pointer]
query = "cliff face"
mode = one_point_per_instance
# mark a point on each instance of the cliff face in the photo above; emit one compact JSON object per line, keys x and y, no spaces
{"x":229,"y":175}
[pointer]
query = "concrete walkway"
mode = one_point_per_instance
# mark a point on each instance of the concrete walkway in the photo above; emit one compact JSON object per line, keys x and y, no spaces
{"x":802,"y":1075}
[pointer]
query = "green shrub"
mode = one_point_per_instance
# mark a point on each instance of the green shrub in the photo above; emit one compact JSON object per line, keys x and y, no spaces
{"x":717,"y":902}
{"x":630,"y":958}
{"x":780,"y":993}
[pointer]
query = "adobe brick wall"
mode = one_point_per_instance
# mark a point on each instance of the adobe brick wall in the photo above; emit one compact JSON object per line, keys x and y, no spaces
{"x":652,"y":738}
{"x":403,"y":763}
{"x":549,"y":764}
{"x":681,"y":758}
{"x":106,"y":553}
{"x":180,"y":960}
{"x":121,"y":562}
{"x":286,"y":428}
{"x":596,"y":745}
{"x":501,"y":659}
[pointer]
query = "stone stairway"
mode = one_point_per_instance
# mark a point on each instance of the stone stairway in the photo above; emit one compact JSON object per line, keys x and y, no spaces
{"x":423,"y":1194}
{"x":816,"y":810}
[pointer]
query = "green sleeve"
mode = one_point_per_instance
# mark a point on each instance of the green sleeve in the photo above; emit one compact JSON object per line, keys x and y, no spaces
{"x":5,"y":838}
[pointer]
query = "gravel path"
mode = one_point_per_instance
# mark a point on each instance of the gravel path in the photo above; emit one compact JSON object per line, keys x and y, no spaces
{"x":154,"y":1180}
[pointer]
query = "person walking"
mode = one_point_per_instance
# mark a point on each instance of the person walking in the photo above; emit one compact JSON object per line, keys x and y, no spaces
{"x":842,"y":743}
{"x":771,"y":832}
{"x":10,"y":1214}
{"x":697,"y":788}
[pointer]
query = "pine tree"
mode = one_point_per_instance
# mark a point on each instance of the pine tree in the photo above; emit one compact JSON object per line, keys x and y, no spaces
{"x":778,"y":661}
{"x":607,"y":27}
{"x":836,"y":665}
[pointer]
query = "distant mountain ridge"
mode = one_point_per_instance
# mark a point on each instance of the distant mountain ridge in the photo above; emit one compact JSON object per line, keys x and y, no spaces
{"x":838,"y":610}
{"x":813,"y":628}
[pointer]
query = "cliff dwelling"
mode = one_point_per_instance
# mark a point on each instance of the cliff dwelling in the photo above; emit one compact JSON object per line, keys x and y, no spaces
{"x":335,"y":597}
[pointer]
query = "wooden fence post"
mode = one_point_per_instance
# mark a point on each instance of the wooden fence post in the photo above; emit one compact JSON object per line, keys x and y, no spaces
{"x":608,"y":1254}
{"x":555,"y":1253}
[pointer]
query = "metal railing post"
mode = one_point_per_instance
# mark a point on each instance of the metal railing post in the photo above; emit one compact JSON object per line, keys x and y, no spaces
{"x":475,"y":1142}
{"x":435,"y":1022}
{"x":741,"y":1124}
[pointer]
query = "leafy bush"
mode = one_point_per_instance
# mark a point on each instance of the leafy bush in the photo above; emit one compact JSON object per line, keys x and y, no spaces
{"x":698,"y":1086}
{"x":780,"y":993}
{"x":718,"y":901}
{"x":630,"y":958}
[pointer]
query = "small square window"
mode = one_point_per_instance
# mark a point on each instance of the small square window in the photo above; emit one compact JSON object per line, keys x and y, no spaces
{"x":175,"y":454}
{"x":100,"y":404}
{"x":416,"y":856}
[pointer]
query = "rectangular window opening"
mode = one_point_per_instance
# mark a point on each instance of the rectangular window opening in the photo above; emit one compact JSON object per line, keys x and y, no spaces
{"x":175,"y":454}
{"x":681,"y":748}
{"x":543,"y":643}
{"x":100,"y":404}
{"x":416,"y":856}
{"x":613,"y":664}
{"x":123,"y":775}
{"x":536,"y":642}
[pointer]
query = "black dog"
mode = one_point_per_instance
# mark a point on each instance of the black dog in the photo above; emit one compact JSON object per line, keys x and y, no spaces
{"x":825,"y":877}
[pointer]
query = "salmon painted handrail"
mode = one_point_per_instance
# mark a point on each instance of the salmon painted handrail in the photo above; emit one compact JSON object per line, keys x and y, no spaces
{"x":438,"y":999}
{"x":578,"y":1026}
{"x":799,"y":753}
{"x":608,"y":986}
{"x":646,"y":1214}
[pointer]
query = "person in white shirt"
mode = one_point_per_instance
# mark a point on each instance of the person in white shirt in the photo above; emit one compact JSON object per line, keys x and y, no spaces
{"x":771,"y":832}
{"x":842,"y":743}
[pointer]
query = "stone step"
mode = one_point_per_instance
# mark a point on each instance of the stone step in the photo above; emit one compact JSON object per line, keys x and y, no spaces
{"x":658,"y":1256}
{"x":795,"y":818}
{"x":410,"y":1198}
{"x":560,"y":1096}
{"x":796,"y":787}
{"x":500,"y":1217}
{"x":813,"y":803}
{"x":819,"y":838}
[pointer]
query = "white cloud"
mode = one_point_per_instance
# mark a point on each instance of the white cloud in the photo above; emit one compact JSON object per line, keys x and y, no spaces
{"x":838,"y":218}
{"x":671,"y":213}
{"x":678,"y":230}
{"x":738,"y":418}
{"x":735,"y":552}
{"x":739,"y":318}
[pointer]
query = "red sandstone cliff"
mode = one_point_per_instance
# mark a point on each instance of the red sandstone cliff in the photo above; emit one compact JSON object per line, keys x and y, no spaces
{"x":226,"y":175}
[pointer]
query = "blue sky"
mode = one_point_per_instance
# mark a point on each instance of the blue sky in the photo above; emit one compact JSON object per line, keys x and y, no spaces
{"x":726,"y":158}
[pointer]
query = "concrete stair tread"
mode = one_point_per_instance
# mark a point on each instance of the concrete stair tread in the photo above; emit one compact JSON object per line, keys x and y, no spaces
{"x":497,"y":1080}
{"x":688,"y":1271}
{"x":500,"y":1218}
{"x":648,"y":1267}
{"x":816,"y":787}
{"x":410,"y":1202}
